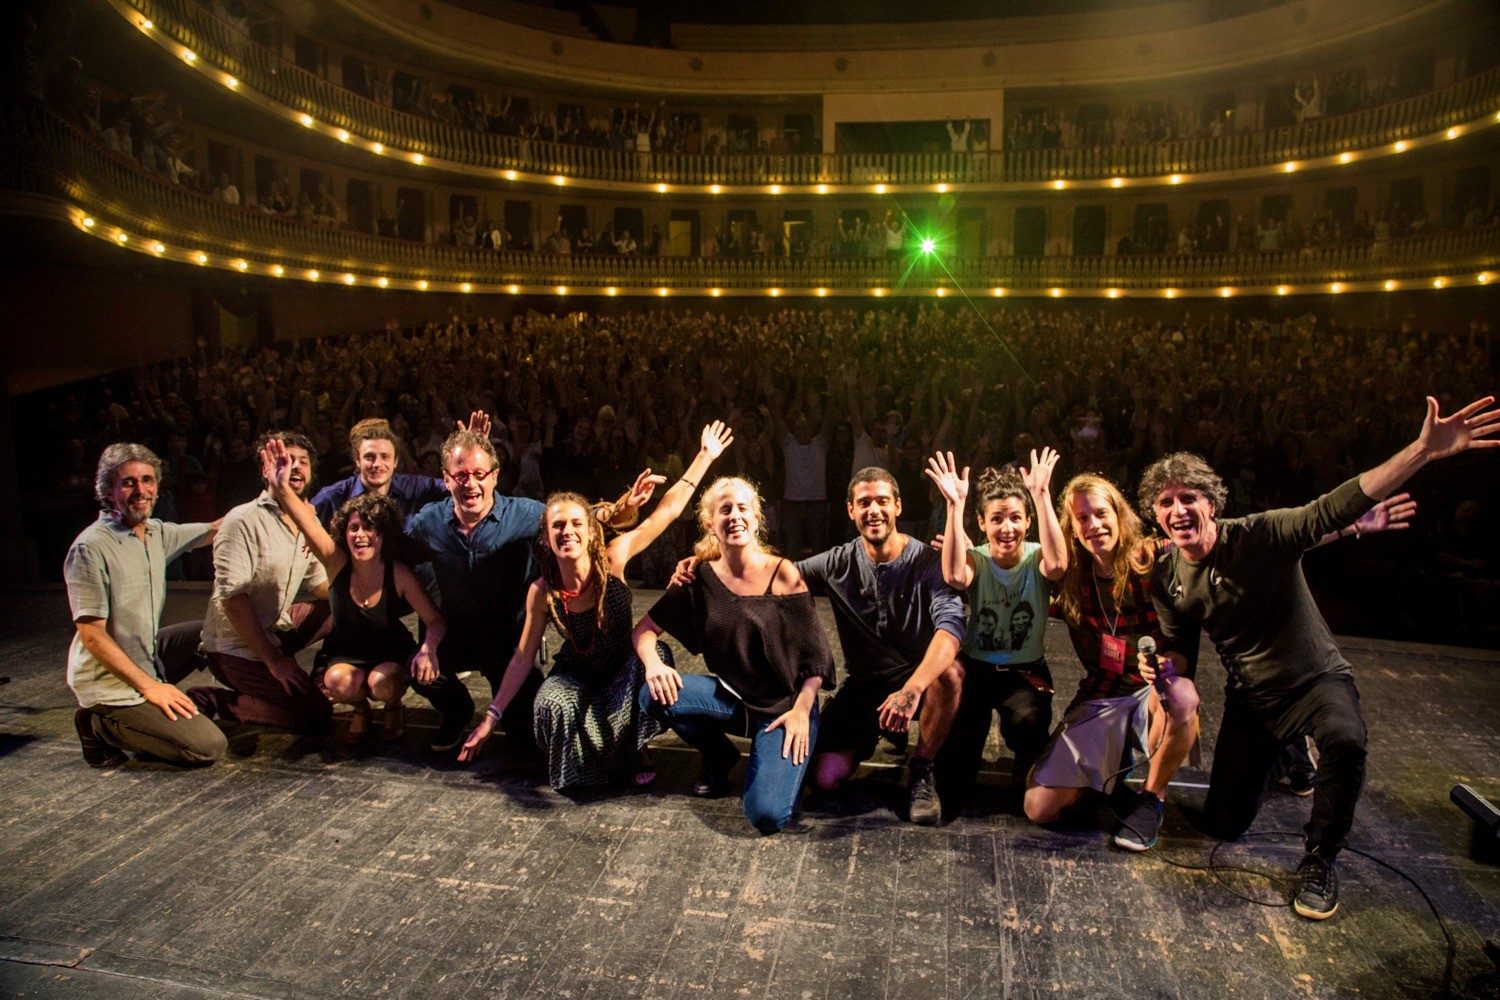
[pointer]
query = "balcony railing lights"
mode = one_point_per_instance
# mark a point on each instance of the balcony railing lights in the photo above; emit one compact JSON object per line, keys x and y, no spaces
{"x":349,"y":279}
{"x":313,"y":275}
{"x":377,"y":147}
{"x":422,"y":284}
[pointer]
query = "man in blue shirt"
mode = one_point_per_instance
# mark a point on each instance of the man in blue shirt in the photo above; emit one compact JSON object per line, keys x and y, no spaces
{"x":372,"y":444}
{"x":481,"y":548}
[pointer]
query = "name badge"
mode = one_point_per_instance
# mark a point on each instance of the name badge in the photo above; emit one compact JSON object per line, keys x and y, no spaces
{"x":1112,"y":653}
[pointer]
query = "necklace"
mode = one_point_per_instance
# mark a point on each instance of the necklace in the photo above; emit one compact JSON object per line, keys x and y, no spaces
{"x":562,"y":621}
{"x":1099,"y":591}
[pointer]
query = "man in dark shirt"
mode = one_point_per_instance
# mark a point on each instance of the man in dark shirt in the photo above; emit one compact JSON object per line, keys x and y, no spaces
{"x":481,"y":559}
{"x":372,"y":443}
{"x":900,"y":627}
{"x":1240,"y":579}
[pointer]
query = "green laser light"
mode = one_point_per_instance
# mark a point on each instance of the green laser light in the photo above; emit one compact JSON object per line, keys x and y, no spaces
{"x":928,"y":245}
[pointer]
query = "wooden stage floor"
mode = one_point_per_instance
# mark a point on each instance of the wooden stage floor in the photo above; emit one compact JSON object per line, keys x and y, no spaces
{"x":298,"y":868}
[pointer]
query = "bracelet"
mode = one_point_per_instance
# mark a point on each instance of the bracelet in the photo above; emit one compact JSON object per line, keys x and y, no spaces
{"x":493,"y":714}
{"x":685,"y":479}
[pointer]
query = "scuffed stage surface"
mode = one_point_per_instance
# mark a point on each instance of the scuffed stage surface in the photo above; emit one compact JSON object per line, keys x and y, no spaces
{"x":297,"y":868}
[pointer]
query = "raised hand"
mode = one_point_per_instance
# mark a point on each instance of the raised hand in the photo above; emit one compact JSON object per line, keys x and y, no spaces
{"x":1038,"y":477}
{"x":275,"y":464}
{"x":1391,"y":514}
{"x":715,"y":438}
{"x":1470,"y":427}
{"x":952,"y":484}
{"x":479,"y":423}
{"x":640,"y":491}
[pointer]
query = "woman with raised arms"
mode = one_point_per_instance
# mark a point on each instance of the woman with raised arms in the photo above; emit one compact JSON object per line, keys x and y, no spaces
{"x":1008,"y":580}
{"x":587,"y":719}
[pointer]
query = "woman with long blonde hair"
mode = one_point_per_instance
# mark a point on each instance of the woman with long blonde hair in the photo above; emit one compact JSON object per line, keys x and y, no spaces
{"x":586,"y":717}
{"x":749,"y":613}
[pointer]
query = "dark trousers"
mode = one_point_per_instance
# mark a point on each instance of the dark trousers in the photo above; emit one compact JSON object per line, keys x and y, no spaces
{"x":450,"y":696}
{"x":1025,"y":722}
{"x":1249,"y":756}
{"x":144,"y":728}
{"x":251,"y":693}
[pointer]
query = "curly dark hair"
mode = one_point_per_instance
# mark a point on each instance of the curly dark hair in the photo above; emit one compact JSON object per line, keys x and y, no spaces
{"x":1001,"y":484}
{"x":292,"y":439}
{"x":381,"y":515}
{"x":1186,"y":469}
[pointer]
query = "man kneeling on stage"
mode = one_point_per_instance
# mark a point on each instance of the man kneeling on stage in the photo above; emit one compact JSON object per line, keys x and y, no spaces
{"x":1240,"y":580}
{"x":122,"y":665}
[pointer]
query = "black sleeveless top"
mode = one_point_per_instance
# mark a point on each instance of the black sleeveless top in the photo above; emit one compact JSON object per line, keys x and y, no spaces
{"x":366,"y":637}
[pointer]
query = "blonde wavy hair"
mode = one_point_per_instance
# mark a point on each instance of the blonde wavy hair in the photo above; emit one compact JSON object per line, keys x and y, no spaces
{"x":1134,"y":553}
{"x":707,"y":547}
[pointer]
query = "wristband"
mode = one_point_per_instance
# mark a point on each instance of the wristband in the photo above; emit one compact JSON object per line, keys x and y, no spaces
{"x":493,"y":714}
{"x":685,"y":479}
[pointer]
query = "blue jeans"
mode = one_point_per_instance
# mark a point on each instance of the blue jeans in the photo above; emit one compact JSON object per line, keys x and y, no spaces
{"x":704,"y":714}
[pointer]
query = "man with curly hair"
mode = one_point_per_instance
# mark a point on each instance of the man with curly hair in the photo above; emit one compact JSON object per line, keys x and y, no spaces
{"x":1240,"y":580}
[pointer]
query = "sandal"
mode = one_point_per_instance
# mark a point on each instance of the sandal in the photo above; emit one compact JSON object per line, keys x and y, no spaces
{"x":395,"y":722}
{"x":359,"y":724}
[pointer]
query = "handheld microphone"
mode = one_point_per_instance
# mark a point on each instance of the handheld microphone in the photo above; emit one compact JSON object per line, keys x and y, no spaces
{"x":1147,"y":646}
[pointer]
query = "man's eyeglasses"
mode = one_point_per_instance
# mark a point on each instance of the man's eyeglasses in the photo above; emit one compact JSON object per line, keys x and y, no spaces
{"x":462,"y":476}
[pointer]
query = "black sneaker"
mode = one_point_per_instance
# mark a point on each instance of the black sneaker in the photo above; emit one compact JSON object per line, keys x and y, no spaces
{"x":1300,"y":782}
{"x":96,"y":752}
{"x":1318,"y":898}
{"x":450,"y":732}
{"x":1139,"y":827}
{"x":924,"y":807}
{"x":713,"y":777}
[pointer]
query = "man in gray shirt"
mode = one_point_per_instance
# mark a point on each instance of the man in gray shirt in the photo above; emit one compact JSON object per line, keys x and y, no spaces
{"x":900,"y":627}
{"x":270,"y":599}
{"x":122,"y":665}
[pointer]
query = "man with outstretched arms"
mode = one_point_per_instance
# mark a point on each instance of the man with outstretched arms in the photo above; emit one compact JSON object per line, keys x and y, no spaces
{"x":1240,"y":580}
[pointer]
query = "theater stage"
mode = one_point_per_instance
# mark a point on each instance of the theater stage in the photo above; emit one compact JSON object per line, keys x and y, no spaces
{"x":297,"y":868}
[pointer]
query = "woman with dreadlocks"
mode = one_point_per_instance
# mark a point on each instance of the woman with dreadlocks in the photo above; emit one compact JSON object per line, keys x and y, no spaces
{"x":587,"y":720}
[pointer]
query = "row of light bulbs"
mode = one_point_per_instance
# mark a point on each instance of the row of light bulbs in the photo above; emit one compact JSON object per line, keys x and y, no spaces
{"x":122,"y":238}
{"x":1059,"y":184}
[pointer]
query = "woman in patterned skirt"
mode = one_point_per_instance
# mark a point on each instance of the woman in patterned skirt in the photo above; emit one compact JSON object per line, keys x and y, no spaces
{"x":587,"y":720}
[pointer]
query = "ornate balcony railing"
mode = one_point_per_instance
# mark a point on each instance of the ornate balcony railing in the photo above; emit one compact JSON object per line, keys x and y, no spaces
{"x":42,"y":154}
{"x":373,"y":125}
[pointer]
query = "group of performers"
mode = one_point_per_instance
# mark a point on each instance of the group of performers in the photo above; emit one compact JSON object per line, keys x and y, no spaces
{"x":489,"y":575}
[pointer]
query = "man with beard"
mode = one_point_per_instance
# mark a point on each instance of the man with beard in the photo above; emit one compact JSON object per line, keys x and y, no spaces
{"x":900,"y":627}
{"x":259,"y":615}
{"x":481,"y":547}
{"x":122,"y":665}
{"x":1240,"y":580}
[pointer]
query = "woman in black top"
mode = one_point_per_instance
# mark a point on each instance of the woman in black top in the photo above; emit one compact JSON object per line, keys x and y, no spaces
{"x":751,"y":617}
{"x":367,"y":653}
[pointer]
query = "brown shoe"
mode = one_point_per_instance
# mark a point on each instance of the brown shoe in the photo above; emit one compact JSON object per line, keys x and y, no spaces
{"x":96,"y":752}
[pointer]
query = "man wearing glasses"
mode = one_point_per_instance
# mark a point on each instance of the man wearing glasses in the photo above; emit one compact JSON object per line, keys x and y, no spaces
{"x":481,"y":559}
